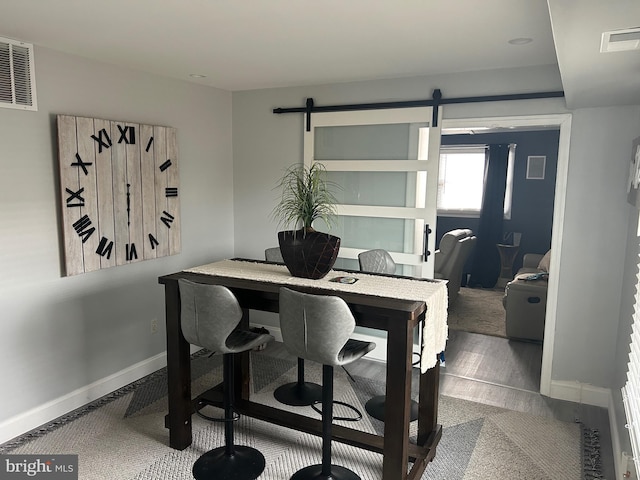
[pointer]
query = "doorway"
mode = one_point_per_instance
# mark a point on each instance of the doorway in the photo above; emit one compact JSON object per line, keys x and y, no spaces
{"x":563,"y":123}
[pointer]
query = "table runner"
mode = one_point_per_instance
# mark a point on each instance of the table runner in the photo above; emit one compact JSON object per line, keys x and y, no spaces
{"x":432,"y":292}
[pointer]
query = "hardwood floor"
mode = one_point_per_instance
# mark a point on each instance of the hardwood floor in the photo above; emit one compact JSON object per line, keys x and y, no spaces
{"x":504,"y":373}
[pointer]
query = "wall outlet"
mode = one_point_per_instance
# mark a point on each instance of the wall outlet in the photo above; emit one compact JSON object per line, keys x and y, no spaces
{"x":154,"y":325}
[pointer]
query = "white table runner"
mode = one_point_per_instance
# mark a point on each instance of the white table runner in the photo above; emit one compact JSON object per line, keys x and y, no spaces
{"x":433,"y":293}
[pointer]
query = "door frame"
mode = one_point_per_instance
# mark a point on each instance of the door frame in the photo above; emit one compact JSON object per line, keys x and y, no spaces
{"x":563,"y":122}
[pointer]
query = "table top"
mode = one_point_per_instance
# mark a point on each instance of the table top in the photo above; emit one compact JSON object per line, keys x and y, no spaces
{"x":390,"y":291}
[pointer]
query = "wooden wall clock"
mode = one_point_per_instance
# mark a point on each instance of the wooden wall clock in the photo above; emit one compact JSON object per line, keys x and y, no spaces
{"x":119,"y":185}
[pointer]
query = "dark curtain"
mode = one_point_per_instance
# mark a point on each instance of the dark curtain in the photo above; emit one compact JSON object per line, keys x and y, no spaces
{"x":486,"y":263}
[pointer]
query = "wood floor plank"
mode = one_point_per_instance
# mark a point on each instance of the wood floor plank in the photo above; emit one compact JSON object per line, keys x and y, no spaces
{"x":503,"y":373}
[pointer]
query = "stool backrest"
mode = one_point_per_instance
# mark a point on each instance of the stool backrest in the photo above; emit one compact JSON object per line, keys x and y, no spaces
{"x":315,"y":327}
{"x":376,"y":261}
{"x":208,"y":314}
{"x":273,"y":254}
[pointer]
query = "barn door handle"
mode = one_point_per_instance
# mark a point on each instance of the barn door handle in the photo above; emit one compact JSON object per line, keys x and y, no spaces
{"x":426,"y":251}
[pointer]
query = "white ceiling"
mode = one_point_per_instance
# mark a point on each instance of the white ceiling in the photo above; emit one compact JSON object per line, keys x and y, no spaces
{"x":250,"y":44}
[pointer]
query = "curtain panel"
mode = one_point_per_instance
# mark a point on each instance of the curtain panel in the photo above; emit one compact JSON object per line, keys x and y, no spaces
{"x":486,"y":263}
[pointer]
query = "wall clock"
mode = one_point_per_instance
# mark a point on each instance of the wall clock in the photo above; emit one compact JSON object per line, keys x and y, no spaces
{"x":119,"y":189}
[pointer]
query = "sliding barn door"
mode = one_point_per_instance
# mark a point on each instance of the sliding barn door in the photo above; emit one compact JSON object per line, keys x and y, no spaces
{"x":386,"y":163}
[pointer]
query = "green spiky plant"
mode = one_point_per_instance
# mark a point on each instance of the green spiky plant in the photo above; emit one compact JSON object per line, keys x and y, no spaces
{"x":306,"y":196}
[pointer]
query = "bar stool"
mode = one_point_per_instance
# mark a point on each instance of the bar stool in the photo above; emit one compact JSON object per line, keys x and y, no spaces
{"x":317,"y":328}
{"x":380,"y":261}
{"x":299,"y":393}
{"x":209,"y":315}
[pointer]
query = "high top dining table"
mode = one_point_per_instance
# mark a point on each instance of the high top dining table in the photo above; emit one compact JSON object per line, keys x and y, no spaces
{"x":396,"y":305}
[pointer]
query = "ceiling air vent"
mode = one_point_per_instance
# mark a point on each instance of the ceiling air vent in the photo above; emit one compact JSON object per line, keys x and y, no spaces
{"x":17,"y":77}
{"x":620,"y":40}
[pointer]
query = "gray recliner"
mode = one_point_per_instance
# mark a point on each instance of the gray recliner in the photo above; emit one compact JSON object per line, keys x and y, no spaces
{"x":317,"y":328}
{"x":209,"y":316}
{"x":525,"y":299}
{"x":454,"y":249}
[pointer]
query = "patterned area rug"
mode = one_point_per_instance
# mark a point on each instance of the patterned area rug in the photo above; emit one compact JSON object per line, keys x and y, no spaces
{"x":478,"y":310}
{"x":122,"y":436}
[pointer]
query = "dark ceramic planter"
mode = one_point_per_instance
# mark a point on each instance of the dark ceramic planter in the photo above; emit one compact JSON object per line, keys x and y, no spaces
{"x":308,"y":255}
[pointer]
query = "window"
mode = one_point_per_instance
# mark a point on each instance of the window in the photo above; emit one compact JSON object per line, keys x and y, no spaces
{"x":461,"y":181}
{"x":631,"y":390}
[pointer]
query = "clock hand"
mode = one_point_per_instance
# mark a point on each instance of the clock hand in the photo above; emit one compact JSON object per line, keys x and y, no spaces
{"x":128,"y":205}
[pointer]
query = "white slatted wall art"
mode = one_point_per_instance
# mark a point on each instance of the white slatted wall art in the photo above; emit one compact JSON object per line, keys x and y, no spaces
{"x":631,"y":390}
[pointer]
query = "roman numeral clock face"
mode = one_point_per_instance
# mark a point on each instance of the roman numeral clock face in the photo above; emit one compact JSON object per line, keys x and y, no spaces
{"x":120,"y":192}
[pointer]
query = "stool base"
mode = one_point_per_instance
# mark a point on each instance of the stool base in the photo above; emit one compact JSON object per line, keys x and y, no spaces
{"x":245,"y":464}
{"x":298,"y":394}
{"x":314,"y":472}
{"x":375,"y":408}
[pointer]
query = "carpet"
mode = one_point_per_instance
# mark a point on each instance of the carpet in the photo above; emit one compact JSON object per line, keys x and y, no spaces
{"x":122,"y":435}
{"x":478,"y":310}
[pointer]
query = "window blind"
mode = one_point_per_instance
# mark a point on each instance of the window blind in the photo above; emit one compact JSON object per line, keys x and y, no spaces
{"x":631,"y":390}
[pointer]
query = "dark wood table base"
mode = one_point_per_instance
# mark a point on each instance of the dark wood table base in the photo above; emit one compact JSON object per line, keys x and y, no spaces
{"x":397,"y":317}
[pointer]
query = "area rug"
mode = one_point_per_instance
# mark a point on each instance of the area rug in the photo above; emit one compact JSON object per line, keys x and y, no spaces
{"x":122,"y":436}
{"x":478,"y":310}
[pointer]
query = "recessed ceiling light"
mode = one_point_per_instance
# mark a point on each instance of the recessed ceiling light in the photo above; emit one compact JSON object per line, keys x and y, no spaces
{"x":197,"y":75}
{"x":520,"y":41}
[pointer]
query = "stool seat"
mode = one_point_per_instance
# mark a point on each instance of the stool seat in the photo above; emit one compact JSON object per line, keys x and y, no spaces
{"x":353,"y":350}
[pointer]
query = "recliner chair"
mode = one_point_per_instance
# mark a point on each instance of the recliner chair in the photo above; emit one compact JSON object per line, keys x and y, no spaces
{"x":525,"y":299}
{"x":454,"y":249}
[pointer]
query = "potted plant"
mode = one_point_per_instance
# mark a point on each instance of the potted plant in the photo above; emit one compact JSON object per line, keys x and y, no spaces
{"x":306,"y":196}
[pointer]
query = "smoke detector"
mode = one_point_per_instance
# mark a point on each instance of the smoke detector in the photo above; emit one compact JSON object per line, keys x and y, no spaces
{"x":620,"y":40}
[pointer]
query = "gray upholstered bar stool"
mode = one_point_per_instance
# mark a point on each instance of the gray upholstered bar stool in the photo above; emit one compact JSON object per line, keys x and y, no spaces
{"x":273,"y":254}
{"x":379,"y":261}
{"x":209,"y":315}
{"x":299,"y":393}
{"x":376,"y":261}
{"x":317,"y":328}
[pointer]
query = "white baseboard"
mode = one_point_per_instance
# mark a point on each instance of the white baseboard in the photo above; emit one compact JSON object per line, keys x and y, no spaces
{"x":580,"y":393}
{"x":42,"y":414}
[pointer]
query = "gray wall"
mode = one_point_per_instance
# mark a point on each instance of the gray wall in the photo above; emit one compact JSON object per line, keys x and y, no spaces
{"x":60,"y":334}
{"x":594,"y":216}
{"x":596,"y":225}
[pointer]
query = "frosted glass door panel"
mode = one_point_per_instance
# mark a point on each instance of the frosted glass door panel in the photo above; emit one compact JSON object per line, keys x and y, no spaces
{"x":363,"y":142}
{"x":375,"y":188}
{"x":370,"y":232}
{"x":379,"y":159}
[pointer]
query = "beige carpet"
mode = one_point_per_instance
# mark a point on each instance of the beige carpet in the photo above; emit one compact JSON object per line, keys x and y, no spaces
{"x":123,"y":436}
{"x":478,"y":310}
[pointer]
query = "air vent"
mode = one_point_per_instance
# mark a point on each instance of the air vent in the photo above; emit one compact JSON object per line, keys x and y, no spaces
{"x":620,"y":40}
{"x":17,"y":77}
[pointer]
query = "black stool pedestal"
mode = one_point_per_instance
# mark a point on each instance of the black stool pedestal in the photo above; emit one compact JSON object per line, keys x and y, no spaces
{"x":314,"y":472}
{"x":244,"y":463}
{"x":375,"y":408}
{"x":300,"y":393}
